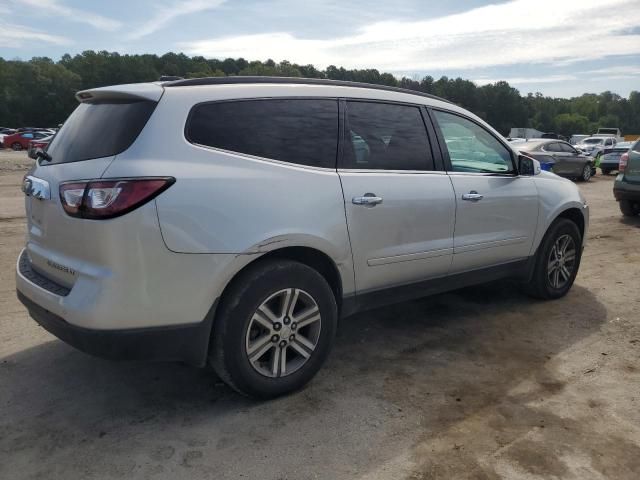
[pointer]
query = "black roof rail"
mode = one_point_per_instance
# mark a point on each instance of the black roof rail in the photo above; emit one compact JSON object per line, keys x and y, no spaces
{"x":293,"y":80}
{"x":169,"y":78}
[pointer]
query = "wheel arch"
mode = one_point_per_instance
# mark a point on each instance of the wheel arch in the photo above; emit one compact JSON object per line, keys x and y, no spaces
{"x":575,"y":215}
{"x":312,"y":257}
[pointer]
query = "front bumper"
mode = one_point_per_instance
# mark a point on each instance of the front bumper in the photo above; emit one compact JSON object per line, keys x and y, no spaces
{"x":188,"y":343}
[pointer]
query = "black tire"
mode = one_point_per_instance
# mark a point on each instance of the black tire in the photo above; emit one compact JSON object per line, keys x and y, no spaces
{"x":628,"y":208}
{"x":16,"y":146}
{"x":586,"y":173}
{"x":228,"y":352}
{"x":605,"y":171}
{"x":540,"y":286}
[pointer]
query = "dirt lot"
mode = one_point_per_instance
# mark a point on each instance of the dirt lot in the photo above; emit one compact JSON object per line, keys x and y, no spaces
{"x":482,"y":383}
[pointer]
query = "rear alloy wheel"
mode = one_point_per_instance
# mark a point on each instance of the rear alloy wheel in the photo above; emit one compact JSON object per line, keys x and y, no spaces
{"x":586,"y":173}
{"x":283,"y":333}
{"x":16,"y":146}
{"x":557,"y":261}
{"x":629,"y":208}
{"x":274,"y":328}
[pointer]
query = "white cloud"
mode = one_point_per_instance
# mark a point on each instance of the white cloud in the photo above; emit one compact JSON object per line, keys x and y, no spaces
{"x":618,"y":71}
{"x":53,"y":7}
{"x":527,"y":80}
{"x":15,"y":36}
{"x":166,"y":14}
{"x":520,"y":31}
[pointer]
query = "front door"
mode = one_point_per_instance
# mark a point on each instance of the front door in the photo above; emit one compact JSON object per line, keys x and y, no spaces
{"x":400,"y":212}
{"x":496,"y":210}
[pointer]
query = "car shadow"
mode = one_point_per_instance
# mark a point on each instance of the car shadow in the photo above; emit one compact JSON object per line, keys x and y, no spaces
{"x":632,"y":221}
{"x":397,"y":376}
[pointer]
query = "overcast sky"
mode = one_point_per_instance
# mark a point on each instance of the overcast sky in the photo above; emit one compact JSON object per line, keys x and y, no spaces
{"x":559,"y":47}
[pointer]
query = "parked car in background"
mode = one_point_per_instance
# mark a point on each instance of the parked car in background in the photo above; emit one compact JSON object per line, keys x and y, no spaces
{"x":215,"y":220}
{"x":555,"y":136}
{"x":610,"y":132}
{"x":626,"y":188}
{"x":611,"y":157}
{"x":560,"y":157}
{"x":34,"y":145}
{"x":575,"y":139}
{"x":519,"y":132}
{"x":595,"y":146}
{"x":4,"y":131}
{"x":20,"y":140}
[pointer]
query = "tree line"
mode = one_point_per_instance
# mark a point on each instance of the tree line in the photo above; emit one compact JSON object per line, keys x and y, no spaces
{"x":40,"y":91}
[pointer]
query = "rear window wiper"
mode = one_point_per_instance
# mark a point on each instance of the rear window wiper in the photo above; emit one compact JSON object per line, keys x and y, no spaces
{"x":42,"y":155}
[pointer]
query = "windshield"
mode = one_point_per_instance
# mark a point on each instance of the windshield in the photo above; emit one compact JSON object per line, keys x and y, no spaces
{"x":97,"y":130}
{"x":593,"y":141}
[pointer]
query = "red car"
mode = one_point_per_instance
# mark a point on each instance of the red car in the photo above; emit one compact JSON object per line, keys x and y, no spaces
{"x":20,"y":140}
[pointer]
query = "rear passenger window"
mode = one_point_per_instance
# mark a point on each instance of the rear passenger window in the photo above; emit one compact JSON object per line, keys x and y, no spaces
{"x":553,"y":147}
{"x":384,"y":136}
{"x":565,"y":147}
{"x":291,"y":130}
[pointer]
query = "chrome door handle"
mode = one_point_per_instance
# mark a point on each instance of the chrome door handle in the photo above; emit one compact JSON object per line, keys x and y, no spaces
{"x":472,"y":196}
{"x":367,"y":199}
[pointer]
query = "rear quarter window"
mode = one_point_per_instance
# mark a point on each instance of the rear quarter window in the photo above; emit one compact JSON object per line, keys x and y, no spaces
{"x":301,"y":131}
{"x":96,"y":130}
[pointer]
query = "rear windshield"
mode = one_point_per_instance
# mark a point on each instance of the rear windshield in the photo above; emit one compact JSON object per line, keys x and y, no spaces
{"x":97,"y":130}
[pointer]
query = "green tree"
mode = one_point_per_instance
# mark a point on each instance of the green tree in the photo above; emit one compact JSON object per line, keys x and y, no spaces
{"x":42,"y":92}
{"x":569,"y":123}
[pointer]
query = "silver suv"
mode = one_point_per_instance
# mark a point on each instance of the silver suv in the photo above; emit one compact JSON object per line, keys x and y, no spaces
{"x":233,"y":221}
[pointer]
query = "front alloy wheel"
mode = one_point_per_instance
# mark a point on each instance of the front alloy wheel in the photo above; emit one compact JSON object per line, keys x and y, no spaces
{"x":586,"y":173}
{"x":556,"y":262}
{"x":562,"y":262}
{"x":283,"y":333}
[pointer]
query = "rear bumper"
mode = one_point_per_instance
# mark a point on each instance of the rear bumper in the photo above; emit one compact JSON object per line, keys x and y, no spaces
{"x":625,"y":190}
{"x":188,"y":343}
{"x":609,"y":163}
{"x":627,"y":193}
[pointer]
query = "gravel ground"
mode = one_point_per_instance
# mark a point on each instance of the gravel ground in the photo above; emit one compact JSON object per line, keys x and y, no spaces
{"x":481,"y":383}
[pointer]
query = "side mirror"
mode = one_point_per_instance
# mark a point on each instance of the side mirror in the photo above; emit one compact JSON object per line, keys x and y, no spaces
{"x":528,"y":166}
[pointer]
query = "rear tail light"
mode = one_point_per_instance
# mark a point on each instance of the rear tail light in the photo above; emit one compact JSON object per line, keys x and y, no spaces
{"x":624,"y":159}
{"x":102,"y":199}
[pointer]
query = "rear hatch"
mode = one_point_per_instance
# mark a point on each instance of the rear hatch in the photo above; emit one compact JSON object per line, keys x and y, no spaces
{"x":106,"y":123}
{"x":612,"y":156}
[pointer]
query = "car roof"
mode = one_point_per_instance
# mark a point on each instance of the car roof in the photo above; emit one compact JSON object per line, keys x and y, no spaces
{"x":235,"y":80}
{"x":536,"y":142}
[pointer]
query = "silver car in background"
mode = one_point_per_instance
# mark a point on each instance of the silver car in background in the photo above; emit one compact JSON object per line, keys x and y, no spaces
{"x":233,"y":221}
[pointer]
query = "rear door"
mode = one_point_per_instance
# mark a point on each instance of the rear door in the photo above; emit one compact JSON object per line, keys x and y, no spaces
{"x":574,"y":161}
{"x":84,"y":147}
{"x":496,"y":209}
{"x":562,"y":165}
{"x":400,"y":209}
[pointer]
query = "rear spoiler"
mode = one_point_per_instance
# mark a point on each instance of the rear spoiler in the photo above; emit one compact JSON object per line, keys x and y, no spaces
{"x":131,"y":92}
